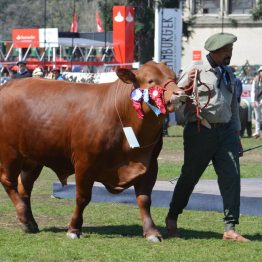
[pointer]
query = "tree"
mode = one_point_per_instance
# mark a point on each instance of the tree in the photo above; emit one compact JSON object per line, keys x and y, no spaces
{"x":257,"y":11}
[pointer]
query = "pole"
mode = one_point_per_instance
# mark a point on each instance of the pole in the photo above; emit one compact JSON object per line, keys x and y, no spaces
{"x":223,"y":7}
{"x":157,"y":32}
{"x":44,"y":32}
{"x":105,"y":26}
{"x":252,"y":148}
{"x":73,"y":38}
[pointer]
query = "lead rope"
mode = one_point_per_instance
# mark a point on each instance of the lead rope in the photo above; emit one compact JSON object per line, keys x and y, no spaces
{"x":121,"y":122}
{"x":116,"y":105}
{"x":194,"y":96}
{"x":195,"y":92}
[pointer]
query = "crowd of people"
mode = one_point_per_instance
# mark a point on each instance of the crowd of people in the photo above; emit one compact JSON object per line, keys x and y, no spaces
{"x":22,"y":71}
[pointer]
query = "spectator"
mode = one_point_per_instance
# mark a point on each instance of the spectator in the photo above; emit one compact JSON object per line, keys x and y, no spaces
{"x":56,"y":74}
{"x":38,"y":73}
{"x":22,"y":70}
{"x":239,"y":86}
{"x":256,"y":100}
{"x":166,"y":125}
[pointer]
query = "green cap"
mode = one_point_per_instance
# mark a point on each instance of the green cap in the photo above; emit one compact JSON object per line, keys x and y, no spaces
{"x":219,"y":40}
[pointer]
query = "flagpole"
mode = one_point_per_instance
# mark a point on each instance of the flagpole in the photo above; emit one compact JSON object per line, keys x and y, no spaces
{"x":74,"y":9}
{"x":105,"y":25}
{"x":44,"y":33}
{"x":157,"y":31}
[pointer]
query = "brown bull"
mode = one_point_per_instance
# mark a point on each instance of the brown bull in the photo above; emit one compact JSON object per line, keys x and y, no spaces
{"x":78,"y":128}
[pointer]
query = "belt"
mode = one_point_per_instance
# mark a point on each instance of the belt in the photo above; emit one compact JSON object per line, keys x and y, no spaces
{"x":217,"y":125}
{"x":213,"y":125}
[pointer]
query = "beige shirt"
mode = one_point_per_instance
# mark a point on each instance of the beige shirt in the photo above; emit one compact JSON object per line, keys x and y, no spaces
{"x":223,"y":106}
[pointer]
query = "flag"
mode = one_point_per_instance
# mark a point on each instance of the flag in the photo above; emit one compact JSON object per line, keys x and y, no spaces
{"x":74,"y":25}
{"x":99,"y":27}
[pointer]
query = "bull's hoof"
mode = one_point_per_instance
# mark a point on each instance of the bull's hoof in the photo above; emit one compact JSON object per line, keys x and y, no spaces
{"x":30,"y":228}
{"x":72,"y":235}
{"x":154,"y":239}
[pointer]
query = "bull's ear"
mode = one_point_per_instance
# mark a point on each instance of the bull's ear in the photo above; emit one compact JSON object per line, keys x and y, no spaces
{"x":126,"y":75}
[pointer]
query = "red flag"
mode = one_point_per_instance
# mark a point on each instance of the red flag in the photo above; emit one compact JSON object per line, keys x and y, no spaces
{"x":99,"y":27}
{"x":74,"y":25}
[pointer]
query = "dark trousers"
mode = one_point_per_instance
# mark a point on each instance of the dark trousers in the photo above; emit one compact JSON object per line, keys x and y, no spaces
{"x":165,"y":125}
{"x":221,"y":145}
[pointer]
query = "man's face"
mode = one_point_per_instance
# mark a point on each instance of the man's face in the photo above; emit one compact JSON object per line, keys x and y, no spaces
{"x":21,"y":67}
{"x":223,"y":55}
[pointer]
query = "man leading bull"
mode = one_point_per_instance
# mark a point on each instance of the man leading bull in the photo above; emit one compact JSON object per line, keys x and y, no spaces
{"x":211,"y":133}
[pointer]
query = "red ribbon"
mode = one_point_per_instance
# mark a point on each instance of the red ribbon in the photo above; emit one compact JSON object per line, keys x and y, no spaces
{"x":137,"y":105}
{"x":156,"y":93}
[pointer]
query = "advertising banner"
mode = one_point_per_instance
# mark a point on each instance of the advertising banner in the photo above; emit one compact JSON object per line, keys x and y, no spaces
{"x":35,"y":37}
{"x":171,"y":37}
{"x":197,"y":55}
{"x":48,"y":37}
{"x":23,"y":38}
{"x":124,"y":33}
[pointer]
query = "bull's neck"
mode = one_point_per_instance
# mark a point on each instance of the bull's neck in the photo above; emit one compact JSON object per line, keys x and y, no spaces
{"x":147,"y":129}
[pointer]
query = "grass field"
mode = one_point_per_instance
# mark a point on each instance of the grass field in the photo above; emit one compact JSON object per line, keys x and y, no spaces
{"x":112,"y":232}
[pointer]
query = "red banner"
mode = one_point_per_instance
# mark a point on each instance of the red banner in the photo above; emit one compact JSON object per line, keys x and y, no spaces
{"x":73,"y":27}
{"x":23,"y":38}
{"x":99,"y":27}
{"x":197,"y":55}
{"x":123,"y":33}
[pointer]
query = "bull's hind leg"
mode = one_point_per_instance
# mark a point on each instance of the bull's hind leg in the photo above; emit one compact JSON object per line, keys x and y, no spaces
{"x":84,"y":186}
{"x":9,"y":172}
{"x":25,"y":185}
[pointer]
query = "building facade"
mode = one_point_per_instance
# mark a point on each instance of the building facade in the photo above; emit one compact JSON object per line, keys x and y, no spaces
{"x":231,"y":16}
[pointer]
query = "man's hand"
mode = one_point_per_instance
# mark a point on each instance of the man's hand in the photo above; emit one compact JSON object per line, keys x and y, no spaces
{"x":254,"y":104}
{"x":191,"y":76}
{"x":240,"y":148}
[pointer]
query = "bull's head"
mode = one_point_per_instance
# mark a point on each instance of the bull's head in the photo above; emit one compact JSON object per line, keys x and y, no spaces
{"x":156,"y":79}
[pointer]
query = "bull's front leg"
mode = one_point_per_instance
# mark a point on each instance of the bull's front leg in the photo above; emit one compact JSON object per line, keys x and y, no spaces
{"x":143,"y":191}
{"x":150,"y":231}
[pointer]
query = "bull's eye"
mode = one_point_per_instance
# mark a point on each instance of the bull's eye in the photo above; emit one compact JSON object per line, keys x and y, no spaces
{"x":150,"y":81}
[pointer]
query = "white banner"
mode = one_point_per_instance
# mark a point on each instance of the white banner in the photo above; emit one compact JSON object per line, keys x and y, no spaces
{"x":171,"y":37}
{"x":48,"y":37}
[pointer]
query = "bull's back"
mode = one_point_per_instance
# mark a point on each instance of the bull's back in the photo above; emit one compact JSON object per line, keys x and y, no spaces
{"x":41,"y":115}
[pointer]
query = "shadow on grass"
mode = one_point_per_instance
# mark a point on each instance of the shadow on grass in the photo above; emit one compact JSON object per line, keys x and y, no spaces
{"x":136,"y":231}
{"x":195,"y":234}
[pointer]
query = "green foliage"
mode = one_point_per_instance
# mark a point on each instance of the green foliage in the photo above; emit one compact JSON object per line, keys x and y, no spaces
{"x":188,"y":26}
{"x":170,"y":3}
{"x":257,"y":11}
